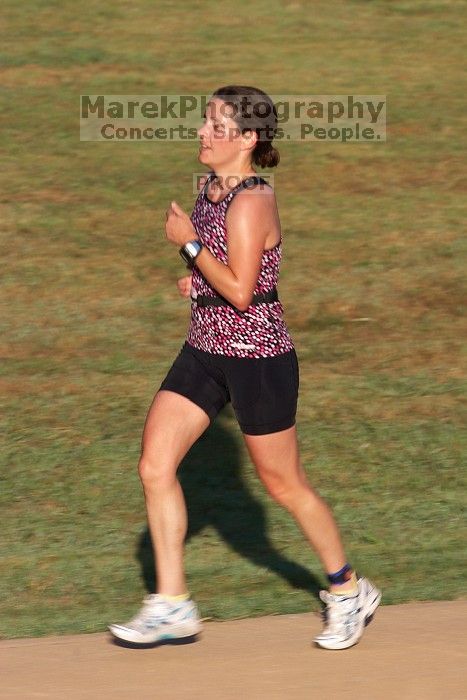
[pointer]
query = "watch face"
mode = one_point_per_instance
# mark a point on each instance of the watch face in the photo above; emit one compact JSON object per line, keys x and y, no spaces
{"x":190,"y":251}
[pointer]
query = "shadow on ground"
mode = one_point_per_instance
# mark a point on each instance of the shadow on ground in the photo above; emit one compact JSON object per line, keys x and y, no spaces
{"x":216,"y":496}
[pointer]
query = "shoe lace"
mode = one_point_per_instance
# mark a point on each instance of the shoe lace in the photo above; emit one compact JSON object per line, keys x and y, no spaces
{"x":336,"y":611}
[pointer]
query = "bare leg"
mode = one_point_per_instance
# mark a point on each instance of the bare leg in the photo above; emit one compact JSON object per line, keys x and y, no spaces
{"x":173,"y":425}
{"x":277,"y":461}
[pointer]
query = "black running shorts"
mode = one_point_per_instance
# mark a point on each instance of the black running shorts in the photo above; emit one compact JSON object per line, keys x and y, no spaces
{"x":263,"y":391}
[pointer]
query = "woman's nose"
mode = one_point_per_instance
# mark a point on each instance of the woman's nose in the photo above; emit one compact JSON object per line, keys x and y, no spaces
{"x":202,"y":131}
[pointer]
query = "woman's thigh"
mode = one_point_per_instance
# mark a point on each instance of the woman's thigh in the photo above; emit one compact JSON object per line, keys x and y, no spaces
{"x":264,"y":392}
{"x":276,"y":458}
{"x":173,"y":425}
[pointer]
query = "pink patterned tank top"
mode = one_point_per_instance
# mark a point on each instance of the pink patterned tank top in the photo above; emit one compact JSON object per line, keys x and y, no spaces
{"x":260,"y":331}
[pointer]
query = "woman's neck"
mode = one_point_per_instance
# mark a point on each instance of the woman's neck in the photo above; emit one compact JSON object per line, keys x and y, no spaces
{"x":225,"y":180}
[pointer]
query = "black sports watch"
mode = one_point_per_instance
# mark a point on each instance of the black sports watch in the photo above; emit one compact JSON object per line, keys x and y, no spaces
{"x":190,"y":252}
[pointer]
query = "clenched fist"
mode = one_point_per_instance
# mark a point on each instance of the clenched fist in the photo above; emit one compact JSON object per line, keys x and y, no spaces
{"x":178,"y":226}
{"x":184,"y":285}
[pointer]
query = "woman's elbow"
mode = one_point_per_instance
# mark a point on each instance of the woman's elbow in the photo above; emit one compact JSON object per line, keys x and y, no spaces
{"x":243,"y":301}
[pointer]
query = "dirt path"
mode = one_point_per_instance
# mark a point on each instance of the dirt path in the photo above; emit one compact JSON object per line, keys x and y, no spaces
{"x":409,"y":652}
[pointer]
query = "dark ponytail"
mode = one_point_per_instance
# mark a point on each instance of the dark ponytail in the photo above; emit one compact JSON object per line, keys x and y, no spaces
{"x":265,"y":155}
{"x":253,"y":110}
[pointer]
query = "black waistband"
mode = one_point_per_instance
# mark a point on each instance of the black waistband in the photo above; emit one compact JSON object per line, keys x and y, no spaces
{"x":269,"y":296}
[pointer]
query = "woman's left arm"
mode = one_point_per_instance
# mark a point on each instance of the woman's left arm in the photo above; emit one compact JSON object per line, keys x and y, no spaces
{"x":245,"y":222}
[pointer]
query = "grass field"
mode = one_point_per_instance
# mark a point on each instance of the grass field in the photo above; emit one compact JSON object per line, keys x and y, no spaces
{"x":373,"y":284}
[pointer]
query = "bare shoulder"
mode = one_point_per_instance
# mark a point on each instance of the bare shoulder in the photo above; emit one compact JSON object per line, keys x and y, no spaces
{"x":257,"y":200}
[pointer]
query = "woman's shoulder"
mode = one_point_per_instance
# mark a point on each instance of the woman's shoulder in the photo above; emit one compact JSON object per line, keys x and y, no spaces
{"x":255,"y":194}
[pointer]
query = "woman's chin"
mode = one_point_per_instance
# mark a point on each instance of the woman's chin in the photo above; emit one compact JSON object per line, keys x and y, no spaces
{"x":202,"y":158}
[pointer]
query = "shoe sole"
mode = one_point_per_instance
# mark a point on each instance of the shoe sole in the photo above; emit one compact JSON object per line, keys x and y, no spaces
{"x":370,"y":610}
{"x":190,"y":629}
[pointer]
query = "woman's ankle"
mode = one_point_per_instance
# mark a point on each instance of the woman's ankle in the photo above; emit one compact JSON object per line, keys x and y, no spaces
{"x":350,"y":587}
{"x":179,"y":598}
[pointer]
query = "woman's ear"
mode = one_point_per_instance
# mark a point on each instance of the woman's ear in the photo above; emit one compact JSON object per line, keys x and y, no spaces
{"x":249,"y":138}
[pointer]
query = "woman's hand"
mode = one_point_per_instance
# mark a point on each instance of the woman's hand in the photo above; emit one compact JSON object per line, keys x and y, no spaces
{"x":184,"y":286}
{"x":178,"y":227}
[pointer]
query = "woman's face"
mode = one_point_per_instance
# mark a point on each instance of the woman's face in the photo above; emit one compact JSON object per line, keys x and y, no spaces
{"x":220,"y":139}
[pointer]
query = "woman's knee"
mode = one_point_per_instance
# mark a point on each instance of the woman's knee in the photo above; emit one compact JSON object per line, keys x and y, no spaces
{"x":276,"y":486}
{"x":155,"y":473}
{"x":284,"y":489}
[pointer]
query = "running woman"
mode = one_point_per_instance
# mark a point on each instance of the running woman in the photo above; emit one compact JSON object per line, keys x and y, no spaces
{"x":238,"y":349}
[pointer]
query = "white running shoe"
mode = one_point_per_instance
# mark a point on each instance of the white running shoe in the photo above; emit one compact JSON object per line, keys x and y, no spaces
{"x":347,"y":616}
{"x":159,"y":619}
